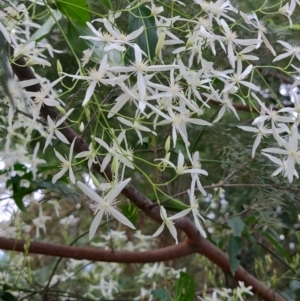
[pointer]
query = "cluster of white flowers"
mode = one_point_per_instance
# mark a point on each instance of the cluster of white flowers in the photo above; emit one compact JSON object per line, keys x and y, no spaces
{"x":228,"y":294}
{"x":161,"y":95}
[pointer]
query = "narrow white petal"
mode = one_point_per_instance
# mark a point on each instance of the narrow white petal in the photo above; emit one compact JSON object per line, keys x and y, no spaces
{"x":71,"y":175}
{"x":116,"y":190}
{"x":59,"y":175}
{"x":159,"y":230}
{"x":95,"y":224}
{"x":89,"y":92}
{"x":180,"y":214}
{"x":89,"y":192}
{"x":61,"y":137}
{"x":59,"y":156}
{"x":199,"y":227}
{"x":125,"y":121}
{"x":172,"y":230}
{"x":121,"y":218}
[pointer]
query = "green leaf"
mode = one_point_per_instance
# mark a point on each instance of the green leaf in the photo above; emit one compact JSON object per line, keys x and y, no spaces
{"x":6,"y":296}
{"x":46,"y":27}
{"x":147,"y":41}
{"x":60,"y":188}
{"x":237,"y":225}
{"x":185,"y":288}
{"x":76,"y":10}
{"x":161,"y":294}
{"x":234,"y":247}
{"x":175,"y":205}
{"x":130,"y":211}
{"x":18,"y":191}
{"x":276,"y":244}
{"x":106,"y":3}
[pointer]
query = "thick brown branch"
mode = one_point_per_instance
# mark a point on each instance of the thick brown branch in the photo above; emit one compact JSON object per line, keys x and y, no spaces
{"x":93,"y":254}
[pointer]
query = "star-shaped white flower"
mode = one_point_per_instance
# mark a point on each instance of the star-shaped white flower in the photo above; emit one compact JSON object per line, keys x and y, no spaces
{"x":65,"y":164}
{"x":167,"y":221}
{"x":105,"y":205}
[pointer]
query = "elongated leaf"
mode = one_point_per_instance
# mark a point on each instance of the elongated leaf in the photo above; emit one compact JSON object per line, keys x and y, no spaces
{"x":276,"y":245}
{"x":161,"y":294}
{"x":234,"y":247}
{"x":46,"y":27}
{"x":18,"y":191}
{"x":7,"y":296}
{"x":106,"y":3}
{"x":147,"y":41}
{"x":185,"y":288}
{"x":76,"y":10}
{"x":237,"y":225}
{"x":130,"y":211}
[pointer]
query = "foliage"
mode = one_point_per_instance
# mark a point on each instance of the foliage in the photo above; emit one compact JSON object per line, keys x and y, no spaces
{"x":196,"y":104}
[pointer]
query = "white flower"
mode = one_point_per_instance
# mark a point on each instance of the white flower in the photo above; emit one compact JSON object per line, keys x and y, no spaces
{"x":231,"y":38}
{"x":35,"y":160}
{"x":282,"y":166}
{"x":261,"y":30}
{"x":104,"y":37}
{"x":65,"y":164}
{"x":179,"y":122}
{"x":105,"y":205}
{"x":89,"y":155}
{"x":241,"y":289}
{"x":181,"y":168}
{"x":168,"y":222}
{"x":96,"y":77}
{"x":124,"y":156}
{"x":194,"y":207}
{"x":290,"y":50}
{"x":260,"y":130}
{"x":120,"y":37}
{"x":40,"y":222}
{"x":137,"y":127}
{"x":140,"y":67}
{"x":275,"y":117}
{"x":107,"y":288}
{"x":291,"y":151}
{"x":53,"y":129}
{"x":227,"y":105}
{"x":287,"y":11}
{"x":238,"y":79}
{"x":197,"y":165}
{"x":30,"y":52}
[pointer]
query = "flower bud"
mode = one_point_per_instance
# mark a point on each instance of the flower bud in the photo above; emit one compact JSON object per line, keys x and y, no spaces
{"x":94,"y":180}
{"x":81,"y":127}
{"x":167,"y":144}
{"x":59,"y":68}
{"x":61,"y":110}
{"x":115,"y":166}
{"x":160,"y":43}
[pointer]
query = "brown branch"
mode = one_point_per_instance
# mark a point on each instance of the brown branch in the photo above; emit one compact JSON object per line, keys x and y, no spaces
{"x":194,"y":242}
{"x":95,"y":254}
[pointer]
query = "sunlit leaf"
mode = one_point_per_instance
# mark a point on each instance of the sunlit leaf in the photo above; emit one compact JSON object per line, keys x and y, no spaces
{"x":185,"y":288}
{"x":236,"y":224}
{"x":76,"y":10}
{"x":46,"y":27}
{"x":234,"y":247}
{"x":147,"y":41}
